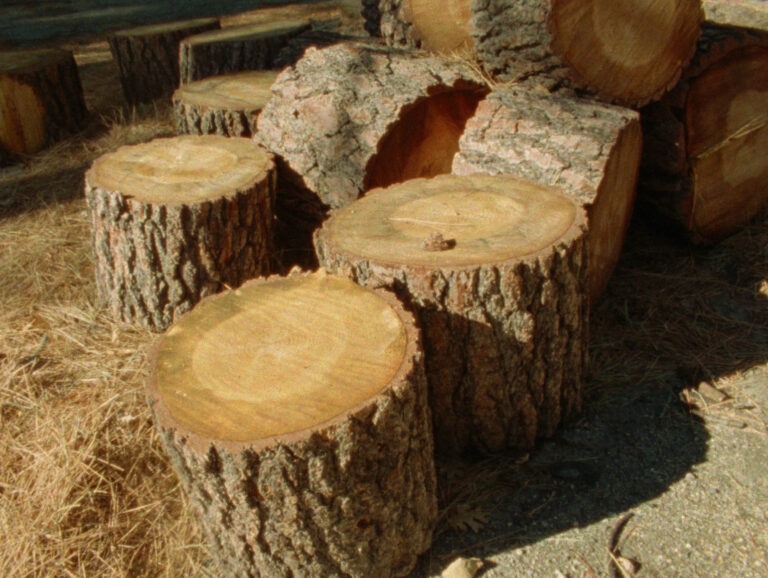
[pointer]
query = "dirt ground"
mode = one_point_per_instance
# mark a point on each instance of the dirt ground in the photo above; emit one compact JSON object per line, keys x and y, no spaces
{"x":665,"y":474}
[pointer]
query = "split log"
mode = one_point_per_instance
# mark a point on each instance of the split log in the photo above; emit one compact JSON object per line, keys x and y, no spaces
{"x":295,"y":413}
{"x":226,"y":105}
{"x":751,"y":14}
{"x":148,"y":57}
{"x":704,"y":163}
{"x":236,"y":49}
{"x":494,"y":269}
{"x":41,"y":100}
{"x":174,"y":220}
{"x":624,"y":51}
{"x":590,"y":150}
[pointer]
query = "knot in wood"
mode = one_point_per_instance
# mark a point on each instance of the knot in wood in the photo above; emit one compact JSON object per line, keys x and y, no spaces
{"x":436,"y":242}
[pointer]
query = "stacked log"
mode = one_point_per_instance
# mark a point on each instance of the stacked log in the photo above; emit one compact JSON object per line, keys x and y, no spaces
{"x":295,"y":413}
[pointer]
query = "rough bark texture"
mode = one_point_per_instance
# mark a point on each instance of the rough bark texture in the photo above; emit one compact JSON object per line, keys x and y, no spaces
{"x":296,"y":47}
{"x":394,"y":24}
{"x":737,"y":13}
{"x":155,"y":261}
{"x":148,"y":57}
{"x":190,"y":118}
{"x":41,"y":100}
{"x":371,"y":17}
{"x":590,"y":150}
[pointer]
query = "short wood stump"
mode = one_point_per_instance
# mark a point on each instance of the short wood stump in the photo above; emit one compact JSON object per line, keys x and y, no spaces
{"x":176,"y":219}
{"x":494,"y":269}
{"x":295,"y":413}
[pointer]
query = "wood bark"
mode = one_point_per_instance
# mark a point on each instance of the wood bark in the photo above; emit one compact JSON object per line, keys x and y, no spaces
{"x":494,"y":269}
{"x":235,"y":49}
{"x":751,"y":14}
{"x":174,"y":220}
{"x":590,"y":150}
{"x":226,"y":105}
{"x":704,"y":165}
{"x":41,"y":100}
{"x":295,"y":414}
{"x":148,"y":57}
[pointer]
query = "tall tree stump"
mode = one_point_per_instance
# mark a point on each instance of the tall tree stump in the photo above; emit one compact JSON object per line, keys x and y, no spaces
{"x":174,"y":220}
{"x":226,"y":105}
{"x":590,"y":150}
{"x":704,"y":163}
{"x":295,"y":413}
{"x":148,"y":57}
{"x":41,"y":100}
{"x":494,"y":269}
{"x":235,"y":49}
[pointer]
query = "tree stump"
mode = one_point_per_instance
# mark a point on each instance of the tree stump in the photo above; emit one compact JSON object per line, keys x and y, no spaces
{"x":148,"y":57}
{"x":226,"y":105}
{"x":625,"y":51}
{"x":704,"y":160}
{"x":174,"y":220}
{"x":590,"y":150}
{"x":235,"y":49}
{"x":494,"y":269}
{"x":295,"y":413}
{"x":41,"y":100}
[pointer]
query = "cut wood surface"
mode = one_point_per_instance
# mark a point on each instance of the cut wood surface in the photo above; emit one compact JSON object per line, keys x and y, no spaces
{"x":235,"y":49}
{"x":346,"y":12}
{"x":226,"y":105}
{"x":737,"y":13}
{"x":705,"y":164}
{"x":590,"y":150}
{"x":41,"y":100}
{"x":174,"y":220}
{"x":295,"y":413}
{"x":148,"y":57}
{"x":494,"y":268}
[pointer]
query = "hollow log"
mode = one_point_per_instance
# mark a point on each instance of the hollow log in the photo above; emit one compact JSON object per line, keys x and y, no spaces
{"x":494,"y":269}
{"x":590,"y":150}
{"x":236,"y":49}
{"x":174,"y":220}
{"x":148,"y":57}
{"x":295,"y":414}
{"x":751,"y":14}
{"x":704,"y":163}
{"x":41,"y":100}
{"x":226,"y":105}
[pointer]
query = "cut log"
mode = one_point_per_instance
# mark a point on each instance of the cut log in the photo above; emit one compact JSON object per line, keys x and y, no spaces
{"x":624,"y":51}
{"x":174,"y":220}
{"x":590,"y":150}
{"x":737,"y":13}
{"x":226,"y":105}
{"x":295,"y":413}
{"x":704,"y":163}
{"x":41,"y":100}
{"x":148,"y":57}
{"x":236,"y":49}
{"x":494,"y":269}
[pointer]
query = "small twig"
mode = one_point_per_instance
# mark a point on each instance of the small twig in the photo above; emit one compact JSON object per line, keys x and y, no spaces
{"x":436,"y":242}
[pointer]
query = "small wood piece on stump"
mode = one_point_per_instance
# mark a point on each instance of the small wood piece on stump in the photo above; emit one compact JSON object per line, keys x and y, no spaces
{"x":295,"y":412}
{"x":502,"y":302}
{"x":41,"y":100}
{"x":704,"y":162}
{"x":236,"y":49}
{"x":226,"y":105}
{"x":148,"y":57}
{"x":174,"y":220}
{"x":590,"y":150}
{"x":751,"y":14}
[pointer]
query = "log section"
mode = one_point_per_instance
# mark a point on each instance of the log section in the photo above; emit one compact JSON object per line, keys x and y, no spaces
{"x":226,"y":105}
{"x":41,"y":100}
{"x":494,"y":269}
{"x":704,"y":163}
{"x":174,"y":220}
{"x":148,"y":57}
{"x":295,"y":413}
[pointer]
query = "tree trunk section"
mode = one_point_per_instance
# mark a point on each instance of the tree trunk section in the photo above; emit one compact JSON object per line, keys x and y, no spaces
{"x":148,"y":57}
{"x":236,"y":49}
{"x":590,"y":150}
{"x":751,"y":14}
{"x":295,"y":414}
{"x":174,"y":220}
{"x":225,"y":105}
{"x":704,"y":163}
{"x":41,"y":100}
{"x":494,"y":269}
